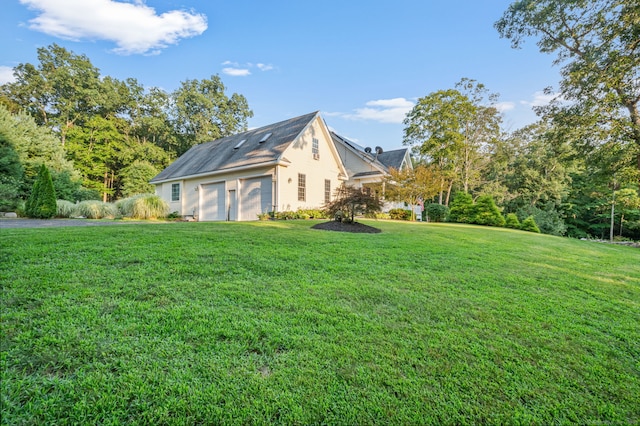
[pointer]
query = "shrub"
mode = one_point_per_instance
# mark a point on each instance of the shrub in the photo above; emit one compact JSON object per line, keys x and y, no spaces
{"x":461,"y":208}
{"x":264,"y":216}
{"x":548,"y":219}
{"x":400,"y":214}
{"x":437,"y":212}
{"x":42,"y":201}
{"x":352,"y":201}
{"x":143,"y":206}
{"x":95,"y":209}
{"x":312,"y":214}
{"x":65,"y":208}
{"x":512,"y":221}
{"x":485,"y":212}
{"x":529,"y":224}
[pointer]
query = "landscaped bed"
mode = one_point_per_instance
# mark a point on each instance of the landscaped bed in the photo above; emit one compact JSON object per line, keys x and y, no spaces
{"x":275,"y":322}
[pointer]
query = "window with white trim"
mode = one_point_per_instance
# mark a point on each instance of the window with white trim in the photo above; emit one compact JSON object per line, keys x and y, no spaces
{"x":175,"y":192}
{"x":315,"y":148}
{"x":302,"y":187}
{"x":327,"y":191}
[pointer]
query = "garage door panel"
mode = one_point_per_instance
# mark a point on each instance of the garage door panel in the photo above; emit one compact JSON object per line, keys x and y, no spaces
{"x":255,"y":197}
{"x":212,"y":202}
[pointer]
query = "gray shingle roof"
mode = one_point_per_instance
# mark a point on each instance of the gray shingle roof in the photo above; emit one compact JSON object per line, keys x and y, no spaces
{"x":221,"y":154}
{"x":393,"y":158}
{"x":384,"y":160}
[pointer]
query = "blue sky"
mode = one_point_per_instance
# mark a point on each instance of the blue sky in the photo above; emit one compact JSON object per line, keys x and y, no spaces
{"x":363,"y":64}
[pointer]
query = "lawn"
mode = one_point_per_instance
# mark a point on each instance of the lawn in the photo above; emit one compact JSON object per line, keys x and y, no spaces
{"x":274,"y":322}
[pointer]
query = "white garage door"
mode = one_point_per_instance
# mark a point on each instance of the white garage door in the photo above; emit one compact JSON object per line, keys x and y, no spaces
{"x":255,"y":197}
{"x":212,"y":202}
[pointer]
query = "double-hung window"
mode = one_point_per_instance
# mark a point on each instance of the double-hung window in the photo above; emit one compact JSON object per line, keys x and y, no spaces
{"x":327,"y":191}
{"x":302,"y":187}
{"x":175,"y":192}
{"x":315,"y":148}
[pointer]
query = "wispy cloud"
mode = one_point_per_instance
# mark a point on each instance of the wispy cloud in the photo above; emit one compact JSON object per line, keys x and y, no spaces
{"x":235,"y":69}
{"x":264,"y":67}
{"x":236,"y":72}
{"x":540,"y":99}
{"x":6,"y":75}
{"x":504,"y":106}
{"x":134,"y":27}
{"x":383,"y":110}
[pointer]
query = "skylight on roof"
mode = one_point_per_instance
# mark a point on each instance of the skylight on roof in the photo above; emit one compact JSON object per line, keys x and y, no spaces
{"x":265,"y":137}
{"x":239,"y":144}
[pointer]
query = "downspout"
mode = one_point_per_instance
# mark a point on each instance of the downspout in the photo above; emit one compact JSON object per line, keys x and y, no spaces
{"x":276,"y":200}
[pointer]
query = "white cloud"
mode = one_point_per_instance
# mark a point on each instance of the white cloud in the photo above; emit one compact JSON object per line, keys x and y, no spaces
{"x":540,"y":99}
{"x":6,"y":75}
{"x":383,"y":110}
{"x":236,"y":72}
{"x":236,"y":69}
{"x":264,"y":67}
{"x":134,"y":28}
{"x":504,"y":106}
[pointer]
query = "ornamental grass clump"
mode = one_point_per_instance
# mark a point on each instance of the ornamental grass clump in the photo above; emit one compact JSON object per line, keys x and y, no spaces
{"x":95,"y":209}
{"x":143,"y":206}
{"x":65,"y":208}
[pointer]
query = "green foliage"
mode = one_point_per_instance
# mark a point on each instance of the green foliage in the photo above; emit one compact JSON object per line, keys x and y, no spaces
{"x":34,"y":145}
{"x":11,"y":175}
{"x":352,"y":201}
{"x":42,"y":200}
{"x":143,"y":206}
{"x":277,"y":323}
{"x":461,"y":208}
{"x":203,"y":112}
{"x":548,"y":220}
{"x":485,"y":212}
{"x":400,"y":214}
{"x":450,"y":127}
{"x":95,"y":209}
{"x":597,"y":43}
{"x":65,"y":209}
{"x":529,"y":224}
{"x":437,"y":212}
{"x":512,"y":221}
{"x":136,"y":177}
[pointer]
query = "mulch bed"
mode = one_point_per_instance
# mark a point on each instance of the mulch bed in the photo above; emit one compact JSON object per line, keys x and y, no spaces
{"x":355,"y":227}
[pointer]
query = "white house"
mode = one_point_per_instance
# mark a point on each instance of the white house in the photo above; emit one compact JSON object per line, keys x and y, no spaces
{"x":297,"y":163}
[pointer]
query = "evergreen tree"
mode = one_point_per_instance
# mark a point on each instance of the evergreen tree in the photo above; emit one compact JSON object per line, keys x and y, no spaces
{"x":461,"y":208}
{"x":42,"y":201}
{"x":529,"y":224}
{"x":512,"y":221}
{"x":486,"y":212}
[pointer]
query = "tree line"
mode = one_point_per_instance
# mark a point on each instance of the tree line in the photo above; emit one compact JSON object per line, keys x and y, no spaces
{"x":577,"y":169}
{"x":102,"y":137}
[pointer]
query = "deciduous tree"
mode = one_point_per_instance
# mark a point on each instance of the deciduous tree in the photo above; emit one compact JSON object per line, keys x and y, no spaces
{"x":412,"y":185}
{"x":598,"y":44}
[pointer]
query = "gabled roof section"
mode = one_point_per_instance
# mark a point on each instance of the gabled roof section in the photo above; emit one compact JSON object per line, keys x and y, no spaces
{"x":228,"y":153}
{"x":393,"y":159}
{"x":383,"y":161}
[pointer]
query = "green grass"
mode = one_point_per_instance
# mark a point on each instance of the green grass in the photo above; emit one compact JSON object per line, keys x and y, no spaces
{"x":273,"y":322}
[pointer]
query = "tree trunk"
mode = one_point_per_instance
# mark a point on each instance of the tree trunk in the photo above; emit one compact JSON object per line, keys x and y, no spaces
{"x":105,"y":185}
